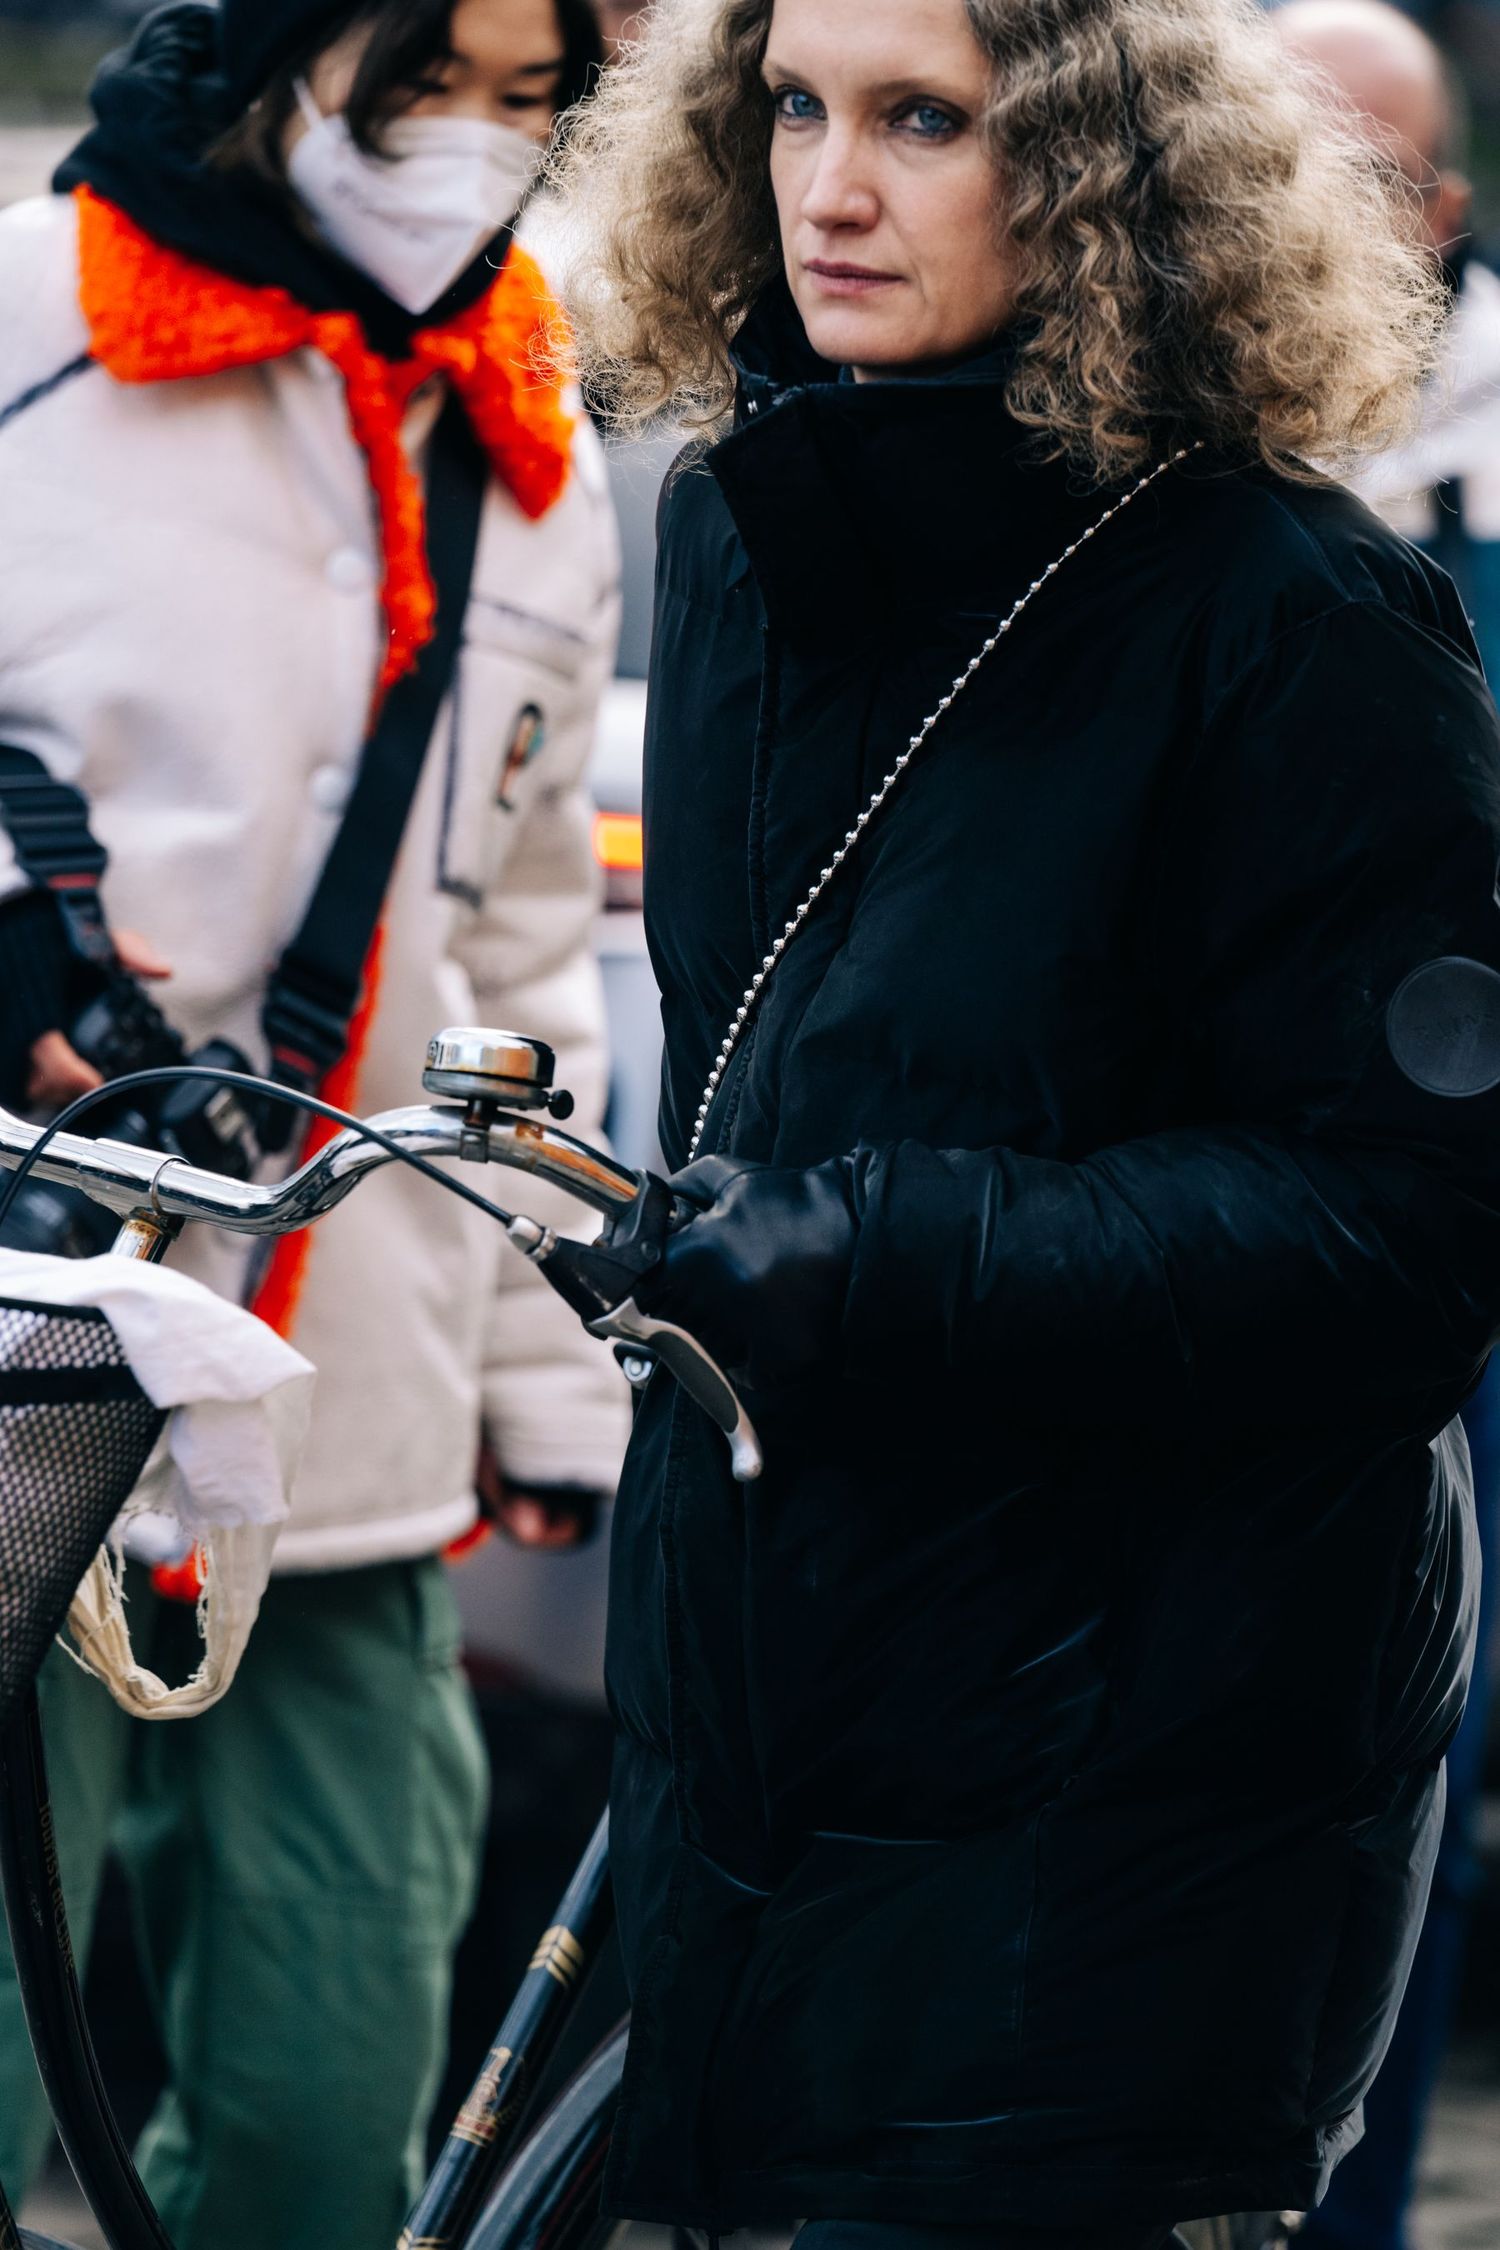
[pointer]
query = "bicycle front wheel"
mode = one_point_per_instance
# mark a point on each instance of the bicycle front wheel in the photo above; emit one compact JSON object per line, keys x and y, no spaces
{"x":547,"y":2198}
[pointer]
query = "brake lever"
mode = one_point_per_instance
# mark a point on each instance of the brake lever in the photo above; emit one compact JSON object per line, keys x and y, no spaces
{"x":699,"y":1374}
{"x":599,"y":1281}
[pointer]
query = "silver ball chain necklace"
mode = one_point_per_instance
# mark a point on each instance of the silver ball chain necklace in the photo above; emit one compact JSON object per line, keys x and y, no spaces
{"x":755,"y":991}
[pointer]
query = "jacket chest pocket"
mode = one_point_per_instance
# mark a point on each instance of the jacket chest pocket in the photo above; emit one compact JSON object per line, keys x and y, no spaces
{"x":516,"y":728}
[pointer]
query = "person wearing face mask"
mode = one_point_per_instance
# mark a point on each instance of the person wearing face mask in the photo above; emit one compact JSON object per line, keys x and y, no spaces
{"x":275,"y":299}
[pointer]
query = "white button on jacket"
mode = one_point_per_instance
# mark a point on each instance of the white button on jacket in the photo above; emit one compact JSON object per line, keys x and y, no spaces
{"x":350,"y":571}
{"x":329,"y":788}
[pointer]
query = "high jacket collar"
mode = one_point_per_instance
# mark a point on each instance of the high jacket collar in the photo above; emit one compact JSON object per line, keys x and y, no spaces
{"x":773,"y":357}
{"x":872,"y":499}
{"x":155,"y":316}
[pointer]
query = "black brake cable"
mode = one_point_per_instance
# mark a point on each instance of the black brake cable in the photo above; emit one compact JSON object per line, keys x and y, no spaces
{"x":176,"y":1073}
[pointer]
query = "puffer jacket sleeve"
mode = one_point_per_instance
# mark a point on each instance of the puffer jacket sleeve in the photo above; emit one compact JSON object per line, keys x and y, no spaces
{"x":1322,"y":1241}
{"x":556,"y":1405}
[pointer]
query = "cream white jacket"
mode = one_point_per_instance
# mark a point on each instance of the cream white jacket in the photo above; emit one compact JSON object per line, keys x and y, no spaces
{"x":189,"y":630}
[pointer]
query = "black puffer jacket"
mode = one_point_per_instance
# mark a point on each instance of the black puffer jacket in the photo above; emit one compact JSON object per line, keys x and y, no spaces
{"x":1026,"y":1794}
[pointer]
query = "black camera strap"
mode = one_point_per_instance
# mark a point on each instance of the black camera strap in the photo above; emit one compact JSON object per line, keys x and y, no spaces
{"x":315,"y":988}
{"x":48,"y":823}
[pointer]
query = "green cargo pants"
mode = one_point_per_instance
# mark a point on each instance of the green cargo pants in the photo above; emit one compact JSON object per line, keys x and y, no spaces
{"x":302,"y":1861}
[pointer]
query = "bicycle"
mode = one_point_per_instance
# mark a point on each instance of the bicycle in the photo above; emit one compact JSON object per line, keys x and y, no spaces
{"x":506,"y":2177}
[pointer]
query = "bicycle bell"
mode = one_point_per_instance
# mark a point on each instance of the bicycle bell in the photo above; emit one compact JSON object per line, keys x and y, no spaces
{"x":500,"y":1069}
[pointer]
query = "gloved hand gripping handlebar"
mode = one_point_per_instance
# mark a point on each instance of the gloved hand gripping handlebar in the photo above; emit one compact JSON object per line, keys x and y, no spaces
{"x":496,"y":1078}
{"x":600,"y":1281}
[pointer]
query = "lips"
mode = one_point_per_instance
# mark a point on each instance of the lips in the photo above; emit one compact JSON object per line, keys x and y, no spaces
{"x":845,"y":280}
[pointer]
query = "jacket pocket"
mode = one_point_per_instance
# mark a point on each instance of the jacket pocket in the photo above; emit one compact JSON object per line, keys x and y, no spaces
{"x":505,"y":715}
{"x":883,"y":2002}
{"x":553,"y":644}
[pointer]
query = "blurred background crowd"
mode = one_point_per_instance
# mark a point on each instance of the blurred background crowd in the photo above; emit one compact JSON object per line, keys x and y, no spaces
{"x":536,"y":1631}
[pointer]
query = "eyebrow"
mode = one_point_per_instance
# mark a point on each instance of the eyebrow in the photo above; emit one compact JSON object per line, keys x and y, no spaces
{"x":527,"y":70}
{"x":892,"y":90}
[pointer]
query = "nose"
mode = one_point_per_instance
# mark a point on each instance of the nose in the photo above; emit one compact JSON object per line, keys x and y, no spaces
{"x":839,"y":196}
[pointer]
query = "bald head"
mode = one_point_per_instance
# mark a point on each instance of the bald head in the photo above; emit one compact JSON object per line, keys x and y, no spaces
{"x":620,"y":21}
{"x":1395,"y":83}
{"x":1383,"y":67}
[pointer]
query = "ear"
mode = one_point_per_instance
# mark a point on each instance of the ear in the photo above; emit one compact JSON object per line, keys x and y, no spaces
{"x":1452,"y":210}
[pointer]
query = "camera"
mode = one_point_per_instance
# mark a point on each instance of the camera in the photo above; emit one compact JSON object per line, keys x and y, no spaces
{"x":119,"y":1031}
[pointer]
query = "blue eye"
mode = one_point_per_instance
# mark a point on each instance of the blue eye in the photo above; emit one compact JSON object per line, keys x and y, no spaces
{"x":793,"y":107}
{"x":928,"y":122}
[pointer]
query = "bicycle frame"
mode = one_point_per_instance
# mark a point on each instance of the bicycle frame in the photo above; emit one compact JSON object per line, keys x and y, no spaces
{"x":485,"y":2130}
{"x":155,"y":1195}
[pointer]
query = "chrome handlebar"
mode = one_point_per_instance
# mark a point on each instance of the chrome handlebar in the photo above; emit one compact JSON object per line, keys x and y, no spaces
{"x":150,"y":1188}
{"x":145,"y":1183}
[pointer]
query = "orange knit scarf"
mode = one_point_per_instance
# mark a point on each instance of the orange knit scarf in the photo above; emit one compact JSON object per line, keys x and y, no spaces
{"x":155,"y":316}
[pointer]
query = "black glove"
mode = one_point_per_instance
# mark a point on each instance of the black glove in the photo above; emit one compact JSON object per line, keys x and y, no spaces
{"x":760,"y":1275}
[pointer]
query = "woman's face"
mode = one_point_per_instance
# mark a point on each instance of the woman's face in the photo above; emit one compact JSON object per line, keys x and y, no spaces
{"x":506,"y":63}
{"x":885,"y":193}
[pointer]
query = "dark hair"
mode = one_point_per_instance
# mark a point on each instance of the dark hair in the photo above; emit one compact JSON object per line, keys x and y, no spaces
{"x":408,"y":39}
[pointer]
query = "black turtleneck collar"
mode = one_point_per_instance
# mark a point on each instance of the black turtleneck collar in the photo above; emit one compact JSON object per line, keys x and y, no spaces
{"x":161,"y":104}
{"x":772,"y":357}
{"x":886,"y":496}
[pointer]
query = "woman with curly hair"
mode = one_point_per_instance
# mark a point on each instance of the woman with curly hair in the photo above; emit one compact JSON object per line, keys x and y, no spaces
{"x":1072,"y":824}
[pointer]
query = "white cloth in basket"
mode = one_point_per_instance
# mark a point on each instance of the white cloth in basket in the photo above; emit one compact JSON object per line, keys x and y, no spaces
{"x":237,"y":1399}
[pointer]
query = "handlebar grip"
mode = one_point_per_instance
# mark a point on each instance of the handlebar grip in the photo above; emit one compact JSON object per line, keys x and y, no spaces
{"x":700,"y":1376}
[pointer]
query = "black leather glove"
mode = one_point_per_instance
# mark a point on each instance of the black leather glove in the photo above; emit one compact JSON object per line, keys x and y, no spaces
{"x":760,"y":1275}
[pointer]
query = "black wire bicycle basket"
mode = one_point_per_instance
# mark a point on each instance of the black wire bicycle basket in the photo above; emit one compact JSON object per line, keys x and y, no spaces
{"x":76,"y":1430}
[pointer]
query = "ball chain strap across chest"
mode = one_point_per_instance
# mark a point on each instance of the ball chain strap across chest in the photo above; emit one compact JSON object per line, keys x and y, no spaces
{"x":755,"y":990}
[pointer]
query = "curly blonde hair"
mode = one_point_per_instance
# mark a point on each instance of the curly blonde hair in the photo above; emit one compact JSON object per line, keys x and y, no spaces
{"x":1203,"y":248}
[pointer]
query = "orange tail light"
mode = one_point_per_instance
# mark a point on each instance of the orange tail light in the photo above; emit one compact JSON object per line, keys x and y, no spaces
{"x":618,"y":844}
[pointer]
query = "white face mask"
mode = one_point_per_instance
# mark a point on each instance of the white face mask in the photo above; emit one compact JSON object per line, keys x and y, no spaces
{"x":416,"y":218}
